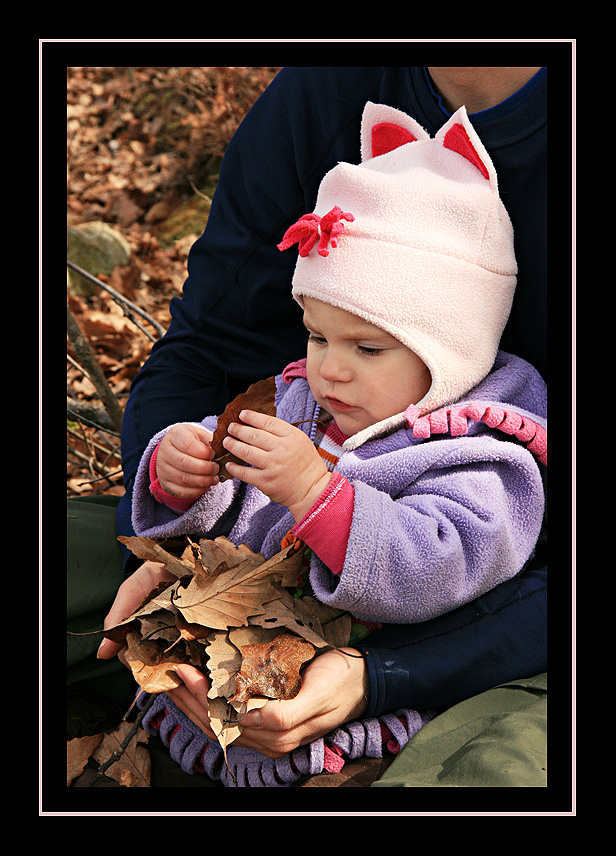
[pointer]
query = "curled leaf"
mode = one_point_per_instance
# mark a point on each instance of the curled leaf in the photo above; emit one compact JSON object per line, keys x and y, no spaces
{"x":260,"y":397}
{"x":152,"y":669}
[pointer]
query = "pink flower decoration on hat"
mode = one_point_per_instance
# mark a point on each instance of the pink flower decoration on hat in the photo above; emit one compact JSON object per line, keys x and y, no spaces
{"x":306,"y":232}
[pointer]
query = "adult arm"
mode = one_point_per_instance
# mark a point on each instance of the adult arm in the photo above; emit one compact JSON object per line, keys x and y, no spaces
{"x":499,"y":637}
{"x":236,"y":321}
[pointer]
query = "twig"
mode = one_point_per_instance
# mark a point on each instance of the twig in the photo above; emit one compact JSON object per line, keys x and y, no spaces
{"x":124,"y":302}
{"x":90,"y":463}
{"x":117,"y":753}
{"x":114,"y":452}
{"x":76,"y":410}
{"x":85,"y":356}
{"x":108,"y":476}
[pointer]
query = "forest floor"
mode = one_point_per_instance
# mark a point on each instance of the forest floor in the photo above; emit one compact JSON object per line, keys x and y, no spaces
{"x":144,"y":147}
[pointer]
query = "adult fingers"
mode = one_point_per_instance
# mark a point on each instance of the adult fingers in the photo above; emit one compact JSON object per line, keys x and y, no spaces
{"x":130,"y":594}
{"x":192,"y":698}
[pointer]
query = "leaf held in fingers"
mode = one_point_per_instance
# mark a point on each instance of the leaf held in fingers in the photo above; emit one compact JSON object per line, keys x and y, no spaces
{"x":259,"y":397}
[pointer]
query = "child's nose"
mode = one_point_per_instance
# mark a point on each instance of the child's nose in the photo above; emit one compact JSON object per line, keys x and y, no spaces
{"x":334,"y":367}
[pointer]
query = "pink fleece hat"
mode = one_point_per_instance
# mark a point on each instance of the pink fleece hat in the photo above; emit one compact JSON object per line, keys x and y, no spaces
{"x":416,"y":240}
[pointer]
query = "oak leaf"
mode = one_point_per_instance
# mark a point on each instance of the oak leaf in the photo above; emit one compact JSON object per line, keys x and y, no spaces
{"x":322,"y":625}
{"x":223,"y":662}
{"x":78,"y":751}
{"x":151,"y":551}
{"x":153,"y":670}
{"x":229,"y":596}
{"x":133,"y":768}
{"x":226,"y":721}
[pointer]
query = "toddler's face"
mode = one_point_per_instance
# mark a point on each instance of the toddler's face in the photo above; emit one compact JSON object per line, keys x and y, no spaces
{"x":356,"y":371}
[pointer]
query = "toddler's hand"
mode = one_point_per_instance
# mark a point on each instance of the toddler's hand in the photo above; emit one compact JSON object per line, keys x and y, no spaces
{"x":284,"y":463}
{"x":184,"y":462}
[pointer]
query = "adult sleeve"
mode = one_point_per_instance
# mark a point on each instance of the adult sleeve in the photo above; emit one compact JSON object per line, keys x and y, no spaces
{"x":499,"y":637}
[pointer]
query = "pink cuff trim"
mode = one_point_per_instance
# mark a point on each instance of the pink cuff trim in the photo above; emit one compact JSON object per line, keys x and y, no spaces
{"x":326,"y":526}
{"x":160,"y":495}
{"x":333,"y":762}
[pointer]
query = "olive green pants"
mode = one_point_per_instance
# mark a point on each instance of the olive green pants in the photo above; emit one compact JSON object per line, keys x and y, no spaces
{"x":496,"y":739}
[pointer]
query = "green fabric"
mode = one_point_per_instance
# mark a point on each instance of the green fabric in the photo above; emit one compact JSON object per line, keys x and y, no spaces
{"x":94,"y":573}
{"x":496,"y":739}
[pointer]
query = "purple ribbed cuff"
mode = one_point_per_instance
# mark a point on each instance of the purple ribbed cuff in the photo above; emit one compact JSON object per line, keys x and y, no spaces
{"x":247,"y":768}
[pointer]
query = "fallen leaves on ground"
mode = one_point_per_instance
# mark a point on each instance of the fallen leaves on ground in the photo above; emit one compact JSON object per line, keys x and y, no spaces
{"x":132,"y":768}
{"x":144,"y":146}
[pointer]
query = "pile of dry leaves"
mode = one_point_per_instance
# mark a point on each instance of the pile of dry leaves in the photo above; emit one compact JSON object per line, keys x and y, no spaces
{"x":233,"y":615}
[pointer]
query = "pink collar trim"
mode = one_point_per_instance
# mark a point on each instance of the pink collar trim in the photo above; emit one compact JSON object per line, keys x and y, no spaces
{"x":454,"y":421}
{"x":293,"y":370}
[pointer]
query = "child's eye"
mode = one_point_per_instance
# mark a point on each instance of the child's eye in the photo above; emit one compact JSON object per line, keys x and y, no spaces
{"x":369,"y":352}
{"x":316,"y":340}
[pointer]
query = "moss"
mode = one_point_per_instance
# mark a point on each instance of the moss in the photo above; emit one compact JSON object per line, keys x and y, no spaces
{"x":188,"y":219}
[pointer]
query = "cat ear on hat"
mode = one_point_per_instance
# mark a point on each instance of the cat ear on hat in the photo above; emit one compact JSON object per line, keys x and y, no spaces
{"x":385,"y":128}
{"x":458,"y":135}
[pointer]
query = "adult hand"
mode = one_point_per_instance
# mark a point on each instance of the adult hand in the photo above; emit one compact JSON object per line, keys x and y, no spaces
{"x":334,"y":691}
{"x":130,"y":594}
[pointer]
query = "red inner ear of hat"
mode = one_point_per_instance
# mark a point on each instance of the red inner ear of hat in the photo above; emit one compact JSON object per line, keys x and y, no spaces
{"x":386,"y":137}
{"x":458,"y":141}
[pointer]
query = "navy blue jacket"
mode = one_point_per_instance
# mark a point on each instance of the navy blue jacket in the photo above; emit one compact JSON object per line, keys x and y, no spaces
{"x":237,"y":323}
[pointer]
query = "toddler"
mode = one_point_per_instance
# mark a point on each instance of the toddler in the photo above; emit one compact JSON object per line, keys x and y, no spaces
{"x":415,"y":470}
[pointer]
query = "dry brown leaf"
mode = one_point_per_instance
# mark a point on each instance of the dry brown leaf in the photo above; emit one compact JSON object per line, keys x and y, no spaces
{"x":229,"y":596}
{"x":133,"y":767}
{"x":153,"y":669}
{"x":78,"y":753}
{"x":150,"y":551}
{"x":226,"y":721}
{"x":214,"y":553}
{"x":224,"y":661}
{"x":259,"y":397}
{"x":272,"y":669}
{"x":159,"y":600}
{"x":159,"y":625}
{"x":318,"y":623}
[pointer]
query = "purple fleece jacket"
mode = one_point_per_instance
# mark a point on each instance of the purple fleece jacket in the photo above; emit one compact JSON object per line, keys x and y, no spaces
{"x":446,"y":507}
